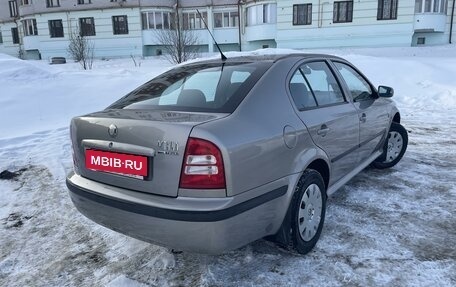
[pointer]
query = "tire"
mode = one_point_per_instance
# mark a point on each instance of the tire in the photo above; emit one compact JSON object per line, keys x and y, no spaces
{"x":394,"y":149}
{"x":308,"y":209}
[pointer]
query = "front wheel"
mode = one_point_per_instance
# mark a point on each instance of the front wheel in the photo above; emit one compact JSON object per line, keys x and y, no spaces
{"x":308,"y":211}
{"x":394,"y":149}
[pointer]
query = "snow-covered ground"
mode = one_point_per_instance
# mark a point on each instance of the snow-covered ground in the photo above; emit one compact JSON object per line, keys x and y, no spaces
{"x":385,"y":228}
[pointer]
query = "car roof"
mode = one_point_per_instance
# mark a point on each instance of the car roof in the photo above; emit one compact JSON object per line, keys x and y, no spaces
{"x":268,"y":58}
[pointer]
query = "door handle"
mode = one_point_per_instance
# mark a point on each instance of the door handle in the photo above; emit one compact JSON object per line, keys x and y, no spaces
{"x":363,"y":118}
{"x":323,"y":130}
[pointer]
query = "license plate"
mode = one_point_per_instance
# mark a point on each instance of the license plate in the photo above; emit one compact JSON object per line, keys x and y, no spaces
{"x":118,"y":163}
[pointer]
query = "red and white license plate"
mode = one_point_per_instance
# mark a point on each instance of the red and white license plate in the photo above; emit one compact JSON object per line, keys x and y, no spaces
{"x":119,"y":163}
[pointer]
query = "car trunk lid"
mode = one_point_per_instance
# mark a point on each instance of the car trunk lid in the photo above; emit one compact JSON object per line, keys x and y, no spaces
{"x":138,"y":138}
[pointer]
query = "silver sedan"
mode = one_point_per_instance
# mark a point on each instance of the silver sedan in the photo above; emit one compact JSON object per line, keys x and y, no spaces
{"x":213,"y":155}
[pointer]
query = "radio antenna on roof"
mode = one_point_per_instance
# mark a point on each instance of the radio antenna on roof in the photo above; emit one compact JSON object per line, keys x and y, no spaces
{"x":207,"y":28}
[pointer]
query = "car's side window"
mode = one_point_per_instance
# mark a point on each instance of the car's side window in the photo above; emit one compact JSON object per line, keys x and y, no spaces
{"x":358,"y":86}
{"x":300,"y":92}
{"x":322,"y":83}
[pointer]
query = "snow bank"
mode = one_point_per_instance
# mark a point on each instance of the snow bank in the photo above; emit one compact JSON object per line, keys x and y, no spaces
{"x":36,"y":96}
{"x":6,"y":57}
{"x":419,"y":82}
{"x":20,"y":70}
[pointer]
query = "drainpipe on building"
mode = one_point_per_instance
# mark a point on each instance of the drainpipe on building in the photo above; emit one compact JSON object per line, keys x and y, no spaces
{"x":319,"y":14}
{"x":239,"y":24}
{"x":178,"y":30}
{"x":20,"y":37}
{"x":19,"y":34}
{"x":142,"y":34}
{"x":452,"y":19}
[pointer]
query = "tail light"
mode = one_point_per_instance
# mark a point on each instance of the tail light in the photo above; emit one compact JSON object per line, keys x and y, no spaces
{"x":203,"y":166}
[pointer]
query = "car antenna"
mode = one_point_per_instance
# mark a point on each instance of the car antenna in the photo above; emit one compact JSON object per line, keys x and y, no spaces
{"x":207,"y":28}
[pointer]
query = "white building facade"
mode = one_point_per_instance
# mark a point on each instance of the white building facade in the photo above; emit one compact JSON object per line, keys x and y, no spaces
{"x":34,"y":29}
{"x":367,"y":23}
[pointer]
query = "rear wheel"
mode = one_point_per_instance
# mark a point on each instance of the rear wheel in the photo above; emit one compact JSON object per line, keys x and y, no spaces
{"x":308,"y":211}
{"x":394,"y":148}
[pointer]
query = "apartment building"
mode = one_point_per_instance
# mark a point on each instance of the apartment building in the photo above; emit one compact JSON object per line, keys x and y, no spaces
{"x":34,"y":29}
{"x":372,"y":23}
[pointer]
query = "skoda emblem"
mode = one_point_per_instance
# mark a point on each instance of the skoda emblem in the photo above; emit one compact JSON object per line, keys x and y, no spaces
{"x":112,"y":131}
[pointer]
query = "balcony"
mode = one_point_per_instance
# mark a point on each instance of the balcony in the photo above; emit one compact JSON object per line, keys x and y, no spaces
{"x":152,"y":37}
{"x":31,"y":43}
{"x":430,"y":22}
{"x":226,"y":35}
{"x":260,"y":32}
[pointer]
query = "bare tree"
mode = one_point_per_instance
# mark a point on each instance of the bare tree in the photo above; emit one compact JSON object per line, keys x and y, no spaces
{"x":82,"y":50}
{"x":179,"y":45}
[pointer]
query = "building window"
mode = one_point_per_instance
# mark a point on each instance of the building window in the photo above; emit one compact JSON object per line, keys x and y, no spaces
{"x":30,"y":28}
{"x":1,"y":38}
{"x":302,"y":14}
{"x":226,"y":19}
{"x":440,"y":6}
{"x":119,"y":25}
{"x":193,"y":20}
{"x":80,"y":2}
{"x":26,"y":2}
{"x":436,"y":6}
{"x":52,"y":3}
{"x":387,"y":10}
{"x":15,"y":35}
{"x":421,"y":41}
{"x":269,"y":13}
{"x":444,"y":6}
{"x":418,"y":6}
{"x":87,"y":26}
{"x":158,"y":20}
{"x":56,"y":28}
{"x":427,"y":6}
{"x":261,"y":14}
{"x":343,"y":12}
{"x":13,"y":8}
{"x":431,"y":6}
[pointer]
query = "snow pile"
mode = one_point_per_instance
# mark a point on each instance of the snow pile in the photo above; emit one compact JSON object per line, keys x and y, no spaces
{"x":419,"y":82}
{"x":36,"y":96}
{"x":14,"y":69}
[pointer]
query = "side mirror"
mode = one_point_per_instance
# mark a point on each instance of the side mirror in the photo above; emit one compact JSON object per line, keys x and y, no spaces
{"x":385,"y":92}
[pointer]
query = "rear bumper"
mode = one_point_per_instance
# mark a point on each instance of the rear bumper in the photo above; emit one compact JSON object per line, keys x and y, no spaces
{"x":203,"y":225}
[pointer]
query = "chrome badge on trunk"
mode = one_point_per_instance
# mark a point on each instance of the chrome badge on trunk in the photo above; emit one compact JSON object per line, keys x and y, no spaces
{"x":168,"y":147}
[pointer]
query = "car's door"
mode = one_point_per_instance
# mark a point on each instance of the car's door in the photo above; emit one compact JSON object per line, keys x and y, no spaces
{"x":373,"y":115}
{"x":331,"y":120}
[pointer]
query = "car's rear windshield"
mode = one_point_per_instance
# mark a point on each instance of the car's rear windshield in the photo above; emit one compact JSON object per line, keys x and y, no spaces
{"x":204,"y":87}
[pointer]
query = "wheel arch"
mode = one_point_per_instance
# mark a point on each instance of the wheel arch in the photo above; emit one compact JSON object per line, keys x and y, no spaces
{"x":312,"y":158}
{"x":322,"y":168}
{"x":397,"y":118}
